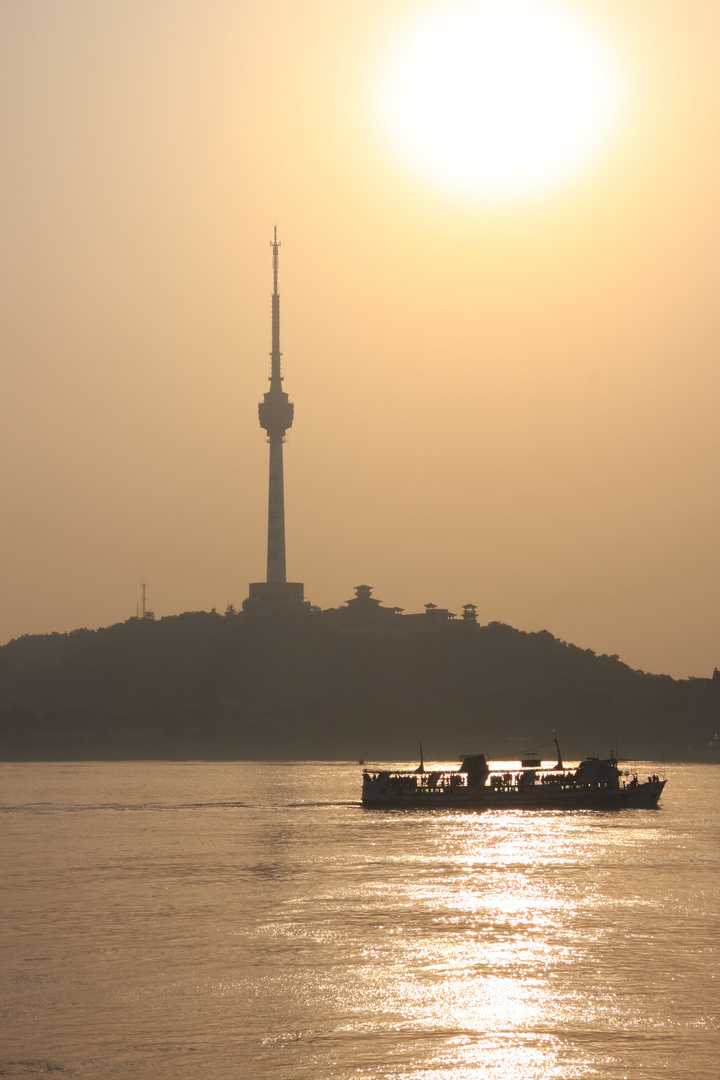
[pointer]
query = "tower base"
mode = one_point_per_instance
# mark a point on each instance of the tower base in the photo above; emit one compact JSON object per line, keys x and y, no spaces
{"x":275,"y":594}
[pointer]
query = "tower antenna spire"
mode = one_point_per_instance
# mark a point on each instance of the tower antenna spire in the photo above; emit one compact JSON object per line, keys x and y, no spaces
{"x":275,"y":354}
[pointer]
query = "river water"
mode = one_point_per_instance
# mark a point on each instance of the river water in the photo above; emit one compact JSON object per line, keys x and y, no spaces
{"x":217,"y":921}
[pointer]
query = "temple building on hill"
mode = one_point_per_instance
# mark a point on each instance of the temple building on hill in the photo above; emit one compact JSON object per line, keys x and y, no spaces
{"x":363,"y":614}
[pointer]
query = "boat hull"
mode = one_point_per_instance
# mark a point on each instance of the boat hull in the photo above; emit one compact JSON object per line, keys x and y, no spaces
{"x":535,"y":796}
{"x":516,"y":800}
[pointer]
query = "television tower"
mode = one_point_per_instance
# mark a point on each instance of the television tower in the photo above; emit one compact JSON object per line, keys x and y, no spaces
{"x":275,"y":412}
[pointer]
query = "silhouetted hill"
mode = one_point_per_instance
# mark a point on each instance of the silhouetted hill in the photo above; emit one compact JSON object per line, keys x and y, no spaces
{"x":203,"y":685}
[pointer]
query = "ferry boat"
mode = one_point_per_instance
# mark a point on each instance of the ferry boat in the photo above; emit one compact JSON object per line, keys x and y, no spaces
{"x":594,"y":783}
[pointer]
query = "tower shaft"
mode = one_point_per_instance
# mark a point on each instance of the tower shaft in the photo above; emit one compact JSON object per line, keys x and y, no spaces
{"x":276,"y":515}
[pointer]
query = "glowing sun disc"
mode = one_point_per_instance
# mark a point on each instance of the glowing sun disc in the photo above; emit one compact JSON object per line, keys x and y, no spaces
{"x":499,"y":98}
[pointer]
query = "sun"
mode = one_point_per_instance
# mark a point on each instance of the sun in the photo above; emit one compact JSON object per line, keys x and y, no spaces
{"x":499,"y":99}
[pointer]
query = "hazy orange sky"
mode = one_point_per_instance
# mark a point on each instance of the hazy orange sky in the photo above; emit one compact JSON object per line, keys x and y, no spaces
{"x":511,"y":404}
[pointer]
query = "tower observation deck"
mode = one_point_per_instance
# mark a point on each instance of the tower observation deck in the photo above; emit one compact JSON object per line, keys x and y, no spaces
{"x":275,"y":413}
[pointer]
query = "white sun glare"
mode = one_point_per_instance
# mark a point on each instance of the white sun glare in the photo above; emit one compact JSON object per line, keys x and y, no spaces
{"x":499,"y":99}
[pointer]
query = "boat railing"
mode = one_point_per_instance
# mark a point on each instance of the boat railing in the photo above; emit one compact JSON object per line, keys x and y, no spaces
{"x":418,"y":781}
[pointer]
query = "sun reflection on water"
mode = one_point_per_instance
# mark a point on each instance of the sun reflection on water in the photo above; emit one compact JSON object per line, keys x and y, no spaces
{"x":473,"y":941}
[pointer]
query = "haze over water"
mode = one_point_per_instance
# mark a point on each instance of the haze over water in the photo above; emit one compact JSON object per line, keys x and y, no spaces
{"x":253,"y":920}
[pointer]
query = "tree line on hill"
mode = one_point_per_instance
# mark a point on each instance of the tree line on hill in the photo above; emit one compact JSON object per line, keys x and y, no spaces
{"x":207,"y":686}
